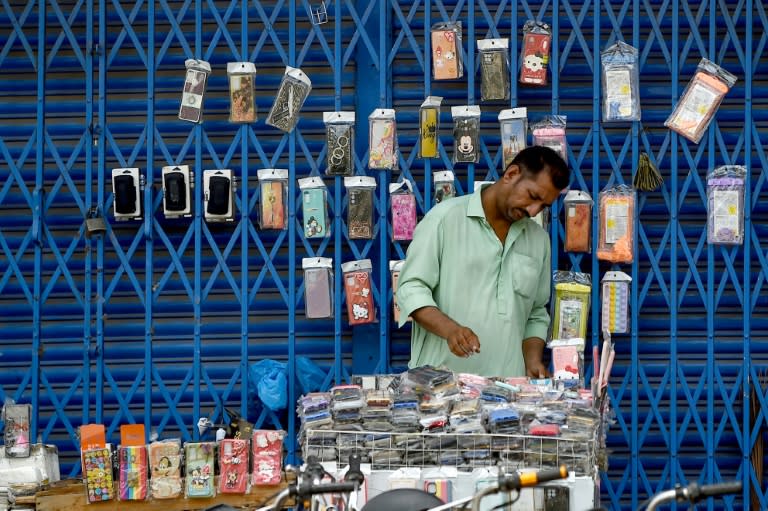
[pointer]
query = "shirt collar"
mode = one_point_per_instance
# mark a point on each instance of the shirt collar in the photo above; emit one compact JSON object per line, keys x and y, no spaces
{"x":475,"y":206}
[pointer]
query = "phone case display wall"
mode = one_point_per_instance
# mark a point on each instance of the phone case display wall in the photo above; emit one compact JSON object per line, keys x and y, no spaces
{"x":447,"y":56}
{"x":617,"y":222}
{"x":578,"y":221}
{"x":700,"y":100}
{"x":340,"y":141}
{"x":621,"y":83}
{"x":425,"y":418}
{"x":429,"y":127}
{"x":725,"y":200}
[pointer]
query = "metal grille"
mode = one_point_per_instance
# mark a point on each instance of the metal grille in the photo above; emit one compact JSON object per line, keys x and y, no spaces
{"x":156,"y":321}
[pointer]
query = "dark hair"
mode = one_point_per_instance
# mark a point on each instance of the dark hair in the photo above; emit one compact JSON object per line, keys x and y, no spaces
{"x":534,"y":159}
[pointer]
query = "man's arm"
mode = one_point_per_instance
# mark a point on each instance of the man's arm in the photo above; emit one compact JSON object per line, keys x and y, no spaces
{"x":462,"y":341}
{"x":537,"y":325}
{"x":533,"y":352}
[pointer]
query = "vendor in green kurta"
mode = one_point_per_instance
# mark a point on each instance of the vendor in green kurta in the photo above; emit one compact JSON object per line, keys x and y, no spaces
{"x":476,"y":279}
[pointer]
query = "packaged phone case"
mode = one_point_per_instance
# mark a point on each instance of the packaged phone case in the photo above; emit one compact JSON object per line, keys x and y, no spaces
{"x":537,"y":38}
{"x":199,"y":468}
{"x":267,"y":455}
{"x":318,"y":287}
{"x":241,"y":92}
{"x":358,"y":291}
{"x":494,"y":67}
{"x":550,"y":132}
{"x":382,"y":140}
{"x":578,"y":221}
{"x":133,"y":473}
{"x":403,"y":210}
{"x":447,"y":59}
{"x":621,"y":83}
{"x":617,"y":220}
{"x":273,"y":187}
{"x":570,"y":307}
{"x":165,"y":464}
{"x":195,"y":81}
{"x":700,"y":101}
{"x":219,"y":187}
{"x":513,"y":123}
{"x":444,"y":185}
{"x":567,"y":359}
{"x":16,"y":436}
{"x":429,"y":127}
{"x":314,"y":206}
{"x":395,"y":267}
{"x":233,"y":465}
{"x":466,"y":133}
{"x":360,"y":206}
{"x":725,"y":199}
{"x":97,"y":472}
{"x":542,"y":218}
{"x":615,"y":298}
{"x":340,"y":140}
{"x":294,"y":89}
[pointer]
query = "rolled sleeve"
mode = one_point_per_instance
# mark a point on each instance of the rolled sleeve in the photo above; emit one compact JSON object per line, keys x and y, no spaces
{"x":538,"y":321}
{"x":421,"y":271}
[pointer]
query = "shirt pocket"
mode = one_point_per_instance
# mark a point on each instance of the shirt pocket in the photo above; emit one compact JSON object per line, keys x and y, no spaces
{"x":526,"y":271}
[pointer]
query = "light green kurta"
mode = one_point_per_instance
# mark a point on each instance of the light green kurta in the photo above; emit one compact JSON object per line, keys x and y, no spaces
{"x":458,"y":264}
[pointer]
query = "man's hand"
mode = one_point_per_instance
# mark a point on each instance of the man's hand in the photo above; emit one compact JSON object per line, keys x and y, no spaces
{"x":533,"y":350}
{"x":463,"y":342}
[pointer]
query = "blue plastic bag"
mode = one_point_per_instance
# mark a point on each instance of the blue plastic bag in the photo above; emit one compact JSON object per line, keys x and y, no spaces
{"x":268,"y":383}
{"x":309,"y":374}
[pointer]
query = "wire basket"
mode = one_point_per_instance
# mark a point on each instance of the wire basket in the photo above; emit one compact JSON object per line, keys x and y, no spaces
{"x":390,"y":451}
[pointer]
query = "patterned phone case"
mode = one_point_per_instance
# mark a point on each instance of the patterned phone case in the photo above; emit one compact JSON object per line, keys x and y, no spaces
{"x":403,"y":216}
{"x":133,"y":473}
{"x":199,"y":470}
{"x":272,"y":205}
{"x":97,"y":470}
{"x":444,"y":55}
{"x":465,"y":140}
{"x":16,"y":418}
{"x":242,"y":105}
{"x":165,"y":463}
{"x":233,"y":465}
{"x":313,"y":205}
{"x":535,"y":58}
{"x":360,"y":213}
{"x":192,"y":97}
{"x":267,"y":455}
{"x":339,"y":138}
{"x":495,"y":76}
{"x":357,"y":286}
{"x":428,"y":133}
{"x":382,"y":154}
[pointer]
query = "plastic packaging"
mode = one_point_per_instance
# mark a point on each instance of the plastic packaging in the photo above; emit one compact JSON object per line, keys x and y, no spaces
{"x":242,"y":106}
{"x":403,"y":204}
{"x":97,"y":472}
{"x":700,"y":100}
{"x":233,"y":465}
{"x":570,"y":307}
{"x":16,"y":435}
{"x":617,"y":220}
{"x":395,"y":267}
{"x":195,"y":82}
{"x":267,"y":456}
{"x":360,"y":207}
{"x":615,"y":299}
{"x":494,"y":67}
{"x":314,"y":207}
{"x":318,"y":287}
{"x":358,"y":291}
{"x":294,"y":89}
{"x":199,"y":468}
{"x":578,"y":221}
{"x":550,"y":132}
{"x":429,"y":127}
{"x":537,"y":39}
{"x":444,"y":187}
{"x":466,"y":133}
{"x":514,"y":130}
{"x":165,"y":463}
{"x":725,"y":199}
{"x":542,"y":218}
{"x":273,"y":187}
{"x":340,"y":140}
{"x":219,"y":187}
{"x":447,"y":57}
{"x":133,"y":473}
{"x":568,"y":359}
{"x":382,"y":140}
{"x":621,"y":83}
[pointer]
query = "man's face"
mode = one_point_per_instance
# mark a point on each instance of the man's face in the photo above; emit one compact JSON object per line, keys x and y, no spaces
{"x":525,"y":195}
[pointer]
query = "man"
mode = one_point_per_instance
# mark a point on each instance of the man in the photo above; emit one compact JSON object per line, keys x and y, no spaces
{"x":477,"y":274}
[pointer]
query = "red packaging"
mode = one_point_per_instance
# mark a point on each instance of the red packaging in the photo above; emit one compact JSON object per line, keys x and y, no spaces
{"x":233,"y":465}
{"x":537,"y":40}
{"x":357,"y":287}
{"x":267,"y":454}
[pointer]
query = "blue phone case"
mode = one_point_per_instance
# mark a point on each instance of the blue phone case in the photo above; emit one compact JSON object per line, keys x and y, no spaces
{"x":314,"y":207}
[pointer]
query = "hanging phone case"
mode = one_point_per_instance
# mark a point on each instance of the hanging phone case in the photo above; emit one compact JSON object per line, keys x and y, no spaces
{"x":360,"y":213}
{"x":294,"y":89}
{"x":382,"y":141}
{"x":403,"y":215}
{"x":339,"y":137}
{"x":537,"y":39}
{"x":16,"y":435}
{"x":233,"y":465}
{"x":267,"y":455}
{"x":446,"y":53}
{"x":466,"y":134}
{"x":444,"y":187}
{"x":313,"y":205}
{"x":318,"y":287}
{"x":494,"y":67}
{"x":195,"y":82}
{"x":133,"y":473}
{"x":97,"y":471}
{"x":165,"y":464}
{"x":394,"y":269}
{"x":357,"y":287}
{"x":272,"y":205}
{"x":513,"y":123}
{"x":242,"y":107}
{"x":199,"y":470}
{"x":429,"y":124}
